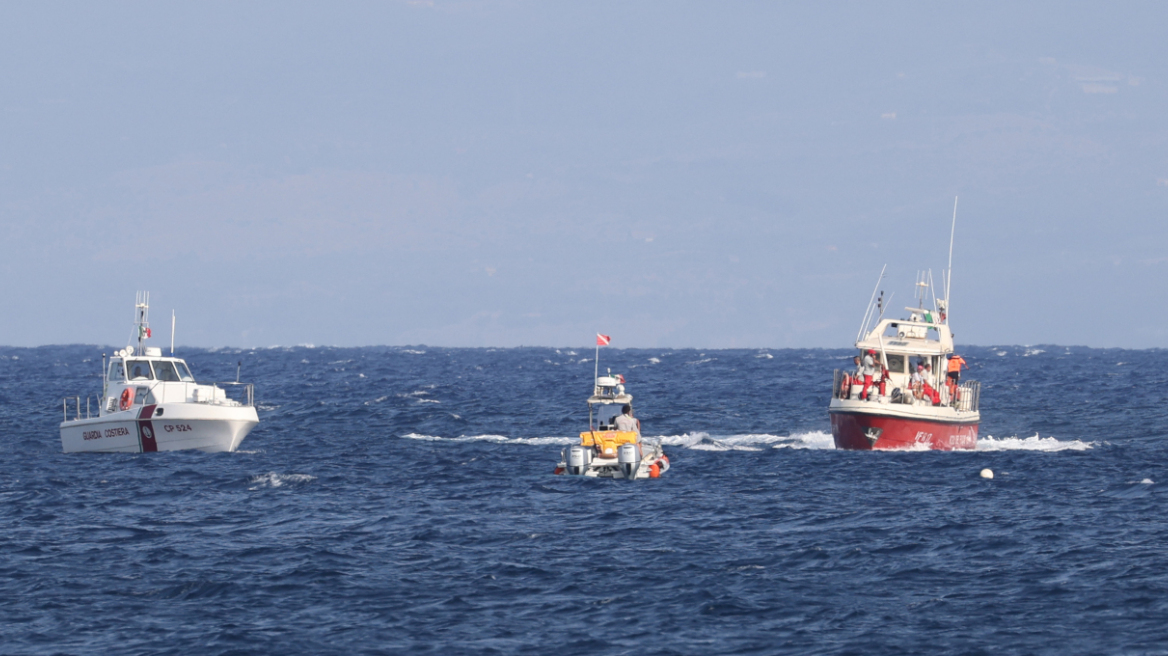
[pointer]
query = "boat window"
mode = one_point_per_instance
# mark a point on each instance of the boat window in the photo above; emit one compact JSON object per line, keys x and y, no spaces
{"x":183,"y":372}
{"x":165,"y":371}
{"x":117,"y":371}
{"x":896,"y":364}
{"x":606,"y":415}
{"x":140,"y":370}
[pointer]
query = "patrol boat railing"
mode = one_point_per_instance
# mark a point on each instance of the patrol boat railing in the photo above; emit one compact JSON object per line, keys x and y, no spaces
{"x":968,"y":393}
{"x":76,"y":408}
{"x":241,"y":394}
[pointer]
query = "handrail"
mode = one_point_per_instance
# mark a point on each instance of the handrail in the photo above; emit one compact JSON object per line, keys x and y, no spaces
{"x":76,"y":408}
{"x":968,"y":393}
{"x":248,"y":391}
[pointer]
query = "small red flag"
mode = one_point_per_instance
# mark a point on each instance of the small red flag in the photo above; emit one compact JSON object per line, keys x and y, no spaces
{"x":602,"y":340}
{"x":148,"y":333}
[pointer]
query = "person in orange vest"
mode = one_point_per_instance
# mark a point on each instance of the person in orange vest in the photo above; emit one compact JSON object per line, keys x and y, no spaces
{"x":956,"y":362}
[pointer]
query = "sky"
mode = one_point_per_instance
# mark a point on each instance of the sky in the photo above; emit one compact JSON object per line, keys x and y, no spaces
{"x":672,"y":174}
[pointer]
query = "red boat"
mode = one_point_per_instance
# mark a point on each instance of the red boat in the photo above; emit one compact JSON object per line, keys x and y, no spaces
{"x":901,"y":397}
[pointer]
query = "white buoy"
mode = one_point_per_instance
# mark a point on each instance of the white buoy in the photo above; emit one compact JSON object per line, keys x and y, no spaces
{"x":987,"y":473}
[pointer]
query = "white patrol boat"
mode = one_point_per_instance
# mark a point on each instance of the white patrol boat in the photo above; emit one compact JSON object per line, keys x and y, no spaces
{"x":605,"y":451}
{"x":152,"y":403}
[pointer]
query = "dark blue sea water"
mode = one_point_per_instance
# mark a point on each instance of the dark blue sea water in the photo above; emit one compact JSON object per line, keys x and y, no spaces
{"x":401,"y":500}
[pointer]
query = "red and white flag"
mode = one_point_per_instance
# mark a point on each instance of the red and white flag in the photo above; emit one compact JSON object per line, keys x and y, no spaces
{"x":602,"y":340}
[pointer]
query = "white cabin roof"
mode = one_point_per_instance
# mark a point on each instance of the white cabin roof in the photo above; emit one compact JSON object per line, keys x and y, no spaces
{"x":607,"y":400}
{"x":906,"y":339}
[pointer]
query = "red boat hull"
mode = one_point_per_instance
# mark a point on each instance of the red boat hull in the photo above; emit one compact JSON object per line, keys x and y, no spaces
{"x":851,"y":430}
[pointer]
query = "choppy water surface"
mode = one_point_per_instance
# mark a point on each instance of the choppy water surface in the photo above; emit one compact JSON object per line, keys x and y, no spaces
{"x":400,"y":500}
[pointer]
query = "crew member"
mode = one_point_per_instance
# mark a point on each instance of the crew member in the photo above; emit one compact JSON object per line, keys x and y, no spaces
{"x":626,"y":422}
{"x":869,"y":372}
{"x":928,"y":390}
{"x":855,"y":378}
{"x":917,"y":382}
{"x":956,"y":362}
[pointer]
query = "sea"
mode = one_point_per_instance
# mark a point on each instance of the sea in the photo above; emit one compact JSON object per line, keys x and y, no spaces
{"x":401,"y":500}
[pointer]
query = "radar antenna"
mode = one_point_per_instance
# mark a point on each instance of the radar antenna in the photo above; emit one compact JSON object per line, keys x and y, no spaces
{"x":142,"y":319}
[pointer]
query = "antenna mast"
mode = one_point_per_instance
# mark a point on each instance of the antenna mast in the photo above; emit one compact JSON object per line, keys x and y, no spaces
{"x":142,"y":318}
{"x":868,"y":314}
{"x":949,"y":271}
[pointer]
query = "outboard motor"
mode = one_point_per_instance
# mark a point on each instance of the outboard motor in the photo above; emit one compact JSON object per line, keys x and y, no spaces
{"x":579,"y":457}
{"x":629,"y":458}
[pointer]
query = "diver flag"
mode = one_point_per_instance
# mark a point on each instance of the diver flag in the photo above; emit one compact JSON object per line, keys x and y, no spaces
{"x":602,"y":340}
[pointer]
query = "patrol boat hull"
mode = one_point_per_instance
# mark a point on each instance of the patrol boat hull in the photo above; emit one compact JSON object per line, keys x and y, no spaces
{"x":164,"y":427}
{"x":858,"y":426}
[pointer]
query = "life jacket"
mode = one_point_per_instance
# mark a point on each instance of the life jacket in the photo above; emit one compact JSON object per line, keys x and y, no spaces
{"x":955,"y":364}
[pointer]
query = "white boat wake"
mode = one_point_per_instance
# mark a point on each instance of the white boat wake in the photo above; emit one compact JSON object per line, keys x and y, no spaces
{"x":1033,"y":443}
{"x":701,"y":441}
{"x":697,"y":441}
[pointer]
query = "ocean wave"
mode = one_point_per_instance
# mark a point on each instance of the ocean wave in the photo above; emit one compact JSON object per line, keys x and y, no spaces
{"x":1033,"y":443}
{"x":497,"y":439}
{"x":750,"y":441}
{"x":698,"y":441}
{"x":272,"y":479}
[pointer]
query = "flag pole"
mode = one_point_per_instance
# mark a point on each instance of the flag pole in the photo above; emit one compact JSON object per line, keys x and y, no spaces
{"x":596,"y":371}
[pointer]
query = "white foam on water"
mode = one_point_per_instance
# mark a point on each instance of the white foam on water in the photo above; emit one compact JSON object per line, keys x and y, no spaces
{"x":768,"y":356}
{"x":697,"y":441}
{"x":497,"y":439}
{"x":1147,"y":481}
{"x":413,"y":352}
{"x":811,"y":440}
{"x":654,"y":360}
{"x":1030,"y":352}
{"x":749,"y":442}
{"x":1033,"y":443}
{"x":272,"y":479}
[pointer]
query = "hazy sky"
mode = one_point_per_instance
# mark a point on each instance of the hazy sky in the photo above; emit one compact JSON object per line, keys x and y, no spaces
{"x":679,"y":174}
